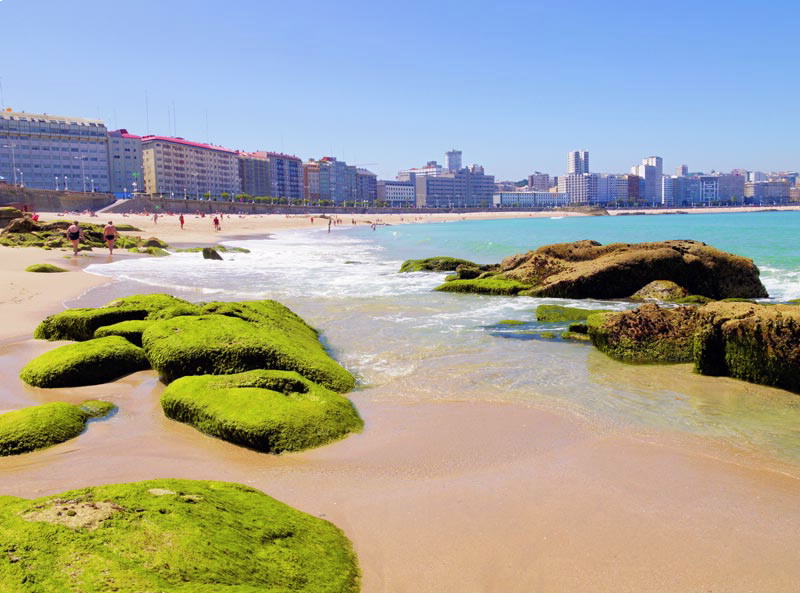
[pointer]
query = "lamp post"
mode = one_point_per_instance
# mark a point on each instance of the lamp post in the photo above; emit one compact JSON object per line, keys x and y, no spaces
{"x":56,"y":182}
{"x":13,"y":161}
{"x":92,"y":184}
{"x":125,"y":192}
{"x":66,"y":186}
{"x":22,"y":178}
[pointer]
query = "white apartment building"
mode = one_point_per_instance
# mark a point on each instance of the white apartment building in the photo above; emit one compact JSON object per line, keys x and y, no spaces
{"x":176,"y":167}
{"x":577,"y":162}
{"x":529,"y":199}
{"x":397,"y":193}
{"x":581,"y":188}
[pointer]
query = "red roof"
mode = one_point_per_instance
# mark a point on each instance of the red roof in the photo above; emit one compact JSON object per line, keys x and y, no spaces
{"x":186,"y":143}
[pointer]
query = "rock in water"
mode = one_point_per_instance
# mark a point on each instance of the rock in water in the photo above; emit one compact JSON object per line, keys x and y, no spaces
{"x":587,"y":269}
{"x":211,"y":253}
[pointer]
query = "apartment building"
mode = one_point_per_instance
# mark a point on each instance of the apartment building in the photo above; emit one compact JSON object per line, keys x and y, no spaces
{"x":125,"y":167}
{"x":177,"y":167}
{"x":54,"y":152}
{"x":397,"y":194}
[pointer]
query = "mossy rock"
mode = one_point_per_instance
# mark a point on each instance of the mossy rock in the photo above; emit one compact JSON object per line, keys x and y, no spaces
{"x":219,"y":248}
{"x":130,"y":330}
{"x":221,"y":345}
{"x":154,"y":242}
{"x":181,"y":536}
{"x":270,"y":411}
{"x":573,"y":336}
{"x":559,"y":313}
{"x":154,"y":251}
{"x":86,"y":363}
{"x":693,"y":299}
{"x":661,"y":290}
{"x":511,"y":322}
{"x":211,"y":253}
{"x":434,"y":264}
{"x":44,"y":268}
{"x":41,"y":426}
{"x":9,"y":213}
{"x":794,"y":302}
{"x":649,"y":334}
{"x":81,"y":323}
{"x":496,"y":285}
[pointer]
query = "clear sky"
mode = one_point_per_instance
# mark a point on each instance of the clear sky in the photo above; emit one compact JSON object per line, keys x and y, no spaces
{"x":514,"y":85}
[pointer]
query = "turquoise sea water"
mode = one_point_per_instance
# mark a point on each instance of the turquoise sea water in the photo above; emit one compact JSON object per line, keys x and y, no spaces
{"x":408,"y":343}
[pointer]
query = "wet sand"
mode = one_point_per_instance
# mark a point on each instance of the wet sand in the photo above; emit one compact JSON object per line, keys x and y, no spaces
{"x":449,"y":496}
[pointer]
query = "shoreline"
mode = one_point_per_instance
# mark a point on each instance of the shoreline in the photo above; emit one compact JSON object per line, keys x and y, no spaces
{"x":437,"y":496}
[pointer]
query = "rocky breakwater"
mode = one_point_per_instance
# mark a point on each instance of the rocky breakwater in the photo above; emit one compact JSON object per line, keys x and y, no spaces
{"x":587,"y":269}
{"x":748,"y":341}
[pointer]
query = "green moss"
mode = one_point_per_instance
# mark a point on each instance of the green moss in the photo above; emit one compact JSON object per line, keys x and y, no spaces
{"x":794,"y":302}
{"x":180,"y":536}
{"x":175,"y":311}
{"x":41,"y":426}
{"x":557,"y":313}
{"x":130,"y":330}
{"x":45,"y":268}
{"x":511,"y":322}
{"x":155,"y":251}
{"x":81,"y":324}
{"x":434,"y":264}
{"x":737,"y":300}
{"x":693,"y":299}
{"x":9,"y":212}
{"x":220,"y":248}
{"x":271,"y":411}
{"x":220,"y":345}
{"x":649,"y":334}
{"x":85,"y":363}
{"x":548,"y":335}
{"x":488,"y":285}
{"x":576,"y":336}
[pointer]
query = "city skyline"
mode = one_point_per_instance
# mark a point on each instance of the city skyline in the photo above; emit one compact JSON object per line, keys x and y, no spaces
{"x":353,"y":83}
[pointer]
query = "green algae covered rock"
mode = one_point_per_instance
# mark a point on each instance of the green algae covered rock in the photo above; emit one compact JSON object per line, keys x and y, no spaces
{"x":85,"y":363}
{"x":755,"y":343}
{"x":130,"y":330}
{"x":556,"y":313}
{"x":44,"y":268}
{"x":180,"y":536}
{"x":497,"y":285}
{"x":81,"y":324}
{"x":435,"y":264}
{"x":41,"y":426}
{"x":661,"y":290}
{"x":271,"y":411}
{"x":211,"y":253}
{"x":647,"y":334}
{"x":693,"y":299}
{"x":223,"y":345}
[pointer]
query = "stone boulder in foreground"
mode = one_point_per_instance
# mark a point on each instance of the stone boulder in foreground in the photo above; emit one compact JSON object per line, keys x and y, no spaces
{"x":270,"y":411}
{"x":587,"y":269}
{"x":181,"y":536}
{"x":748,"y":341}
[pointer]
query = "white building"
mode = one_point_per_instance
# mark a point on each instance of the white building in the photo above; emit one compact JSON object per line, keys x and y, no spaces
{"x":651,"y":170}
{"x":529,"y":199}
{"x":125,"y":162}
{"x":578,"y":162}
{"x":453,"y":160}
{"x":179,"y":168}
{"x":581,"y":188}
{"x":397,"y":194}
{"x":667,"y":198}
{"x":432,"y":169}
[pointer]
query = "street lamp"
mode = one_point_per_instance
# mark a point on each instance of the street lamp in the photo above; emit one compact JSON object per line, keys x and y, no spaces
{"x":66,"y":187}
{"x":92,"y":184}
{"x":13,"y":161}
{"x":56,"y":182}
{"x":22,"y":178}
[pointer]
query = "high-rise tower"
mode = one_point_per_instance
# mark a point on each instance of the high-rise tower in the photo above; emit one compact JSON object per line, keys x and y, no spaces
{"x":578,"y":162}
{"x":453,"y":160}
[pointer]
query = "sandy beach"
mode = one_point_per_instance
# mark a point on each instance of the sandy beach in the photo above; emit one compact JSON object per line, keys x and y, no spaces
{"x":442,"y":497}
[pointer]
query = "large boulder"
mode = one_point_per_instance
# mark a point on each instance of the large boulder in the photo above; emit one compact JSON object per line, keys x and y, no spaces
{"x":435,"y":264}
{"x":41,"y":426}
{"x":221,"y":345}
{"x":211,"y":253}
{"x":181,"y":536}
{"x":748,"y":341}
{"x":559,"y":313}
{"x":587,"y":269}
{"x":85,"y":363}
{"x":271,"y":411}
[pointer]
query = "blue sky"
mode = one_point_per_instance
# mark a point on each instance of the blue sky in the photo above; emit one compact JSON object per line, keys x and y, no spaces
{"x":514,"y":85}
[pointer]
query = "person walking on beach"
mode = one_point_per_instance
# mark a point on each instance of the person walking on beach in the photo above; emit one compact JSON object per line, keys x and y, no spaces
{"x":329,"y":225}
{"x":110,"y":235}
{"x":180,"y":220}
{"x":217,"y":226}
{"x":74,"y":234}
{"x":155,"y":218}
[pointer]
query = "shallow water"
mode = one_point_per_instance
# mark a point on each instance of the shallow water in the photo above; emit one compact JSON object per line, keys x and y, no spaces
{"x":409,"y":344}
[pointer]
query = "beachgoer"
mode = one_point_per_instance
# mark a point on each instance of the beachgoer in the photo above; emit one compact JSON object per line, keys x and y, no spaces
{"x":329,"y":225}
{"x":180,"y":220}
{"x":110,"y":235}
{"x":155,"y":218}
{"x":74,"y":234}
{"x":216,"y":224}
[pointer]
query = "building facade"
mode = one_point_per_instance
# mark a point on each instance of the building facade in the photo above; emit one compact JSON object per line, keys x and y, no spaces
{"x":366,"y":186}
{"x":285,"y":176}
{"x":396,"y":194}
{"x":529,"y":199}
{"x":539,"y":182}
{"x":54,"y":152}
{"x":125,"y":162}
{"x":577,"y":162}
{"x":581,"y":188}
{"x":453,"y":160}
{"x":759,"y":192}
{"x":254,"y":174}
{"x":176,"y":167}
